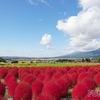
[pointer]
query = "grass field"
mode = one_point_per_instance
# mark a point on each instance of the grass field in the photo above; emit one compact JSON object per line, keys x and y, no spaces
{"x":47,"y":64}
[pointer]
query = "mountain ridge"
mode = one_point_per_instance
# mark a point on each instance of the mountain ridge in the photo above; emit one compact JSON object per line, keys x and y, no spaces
{"x":89,"y":54}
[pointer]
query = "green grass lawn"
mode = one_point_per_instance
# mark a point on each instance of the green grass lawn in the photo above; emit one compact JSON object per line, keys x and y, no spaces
{"x":47,"y":64}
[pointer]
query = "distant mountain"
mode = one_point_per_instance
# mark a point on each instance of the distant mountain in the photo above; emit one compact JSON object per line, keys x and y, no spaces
{"x":90,"y":54}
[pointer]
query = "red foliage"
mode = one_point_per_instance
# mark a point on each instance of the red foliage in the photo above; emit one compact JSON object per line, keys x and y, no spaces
{"x":14,"y":71}
{"x":56,"y":76}
{"x":93,"y":95}
{"x":80,"y":70}
{"x":47,"y":79}
{"x":3,"y":72}
{"x":23,"y":70}
{"x":53,"y":89}
{"x":23,"y":91}
{"x":41,"y":77}
{"x":97,"y":79}
{"x":36,"y":72}
{"x":12,"y":88}
{"x":29,"y":78}
{"x":2,"y":98}
{"x":63,"y":87}
{"x":68,"y":79}
{"x":22,"y":76}
{"x":2,"y":89}
{"x":82,"y":76}
{"x":45,"y":97}
{"x":74,"y":78}
{"x":90,"y":83}
{"x":79,"y":91}
{"x":36,"y":88}
{"x":12,"y":79}
{"x":7,"y":78}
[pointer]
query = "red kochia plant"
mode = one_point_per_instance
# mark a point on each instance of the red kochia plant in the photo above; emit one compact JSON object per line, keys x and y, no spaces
{"x":56,"y":76}
{"x":2,"y":89}
{"x":47,"y":79}
{"x":12,"y":79}
{"x":82,"y":76}
{"x":63,"y":87}
{"x":41,"y":77}
{"x":90,"y":83}
{"x":3,"y":72}
{"x":22,"y":70}
{"x":2,"y":98}
{"x":79,"y":91}
{"x":7,"y":78}
{"x":72,"y":70}
{"x":36,"y":72}
{"x":22,"y":76}
{"x":53,"y":89}
{"x":68,"y":79}
{"x":12,"y":88}
{"x":80,"y":70}
{"x":97,"y":79}
{"x":14,"y":71}
{"x":36,"y":88}
{"x":48,"y":72}
{"x":29,"y":78}
{"x":92,"y":95}
{"x":45,"y":97}
{"x":23,"y":91}
{"x":92,"y":71}
{"x":74,"y":78}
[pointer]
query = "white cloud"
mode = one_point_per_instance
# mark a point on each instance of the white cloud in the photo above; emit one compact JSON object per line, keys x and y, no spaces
{"x":45,"y":2}
{"x":46,"y":40}
{"x":85,"y":4}
{"x":32,"y":2}
{"x":83,"y":28}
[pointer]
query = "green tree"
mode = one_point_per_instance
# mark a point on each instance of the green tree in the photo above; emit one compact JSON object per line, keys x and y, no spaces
{"x":87,"y":60}
{"x":98,"y":60}
{"x":2,"y":59}
{"x":14,"y":61}
{"x":83,"y":60}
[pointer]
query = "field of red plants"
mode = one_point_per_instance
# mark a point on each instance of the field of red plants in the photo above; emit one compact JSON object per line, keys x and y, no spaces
{"x":50,"y":83}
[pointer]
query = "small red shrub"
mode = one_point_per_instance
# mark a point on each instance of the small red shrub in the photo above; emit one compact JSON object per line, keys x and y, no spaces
{"x":36,"y":88}
{"x":2,"y":89}
{"x":45,"y":97}
{"x":97,"y":79}
{"x":53,"y":89}
{"x":23,"y":91}
{"x":7,"y":77}
{"x":63,"y":87}
{"x":79,"y":91}
{"x":12,"y":88}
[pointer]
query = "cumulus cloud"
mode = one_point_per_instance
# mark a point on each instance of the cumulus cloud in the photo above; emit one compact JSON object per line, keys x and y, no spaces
{"x":85,"y":4}
{"x":46,"y":40}
{"x":83,"y":28}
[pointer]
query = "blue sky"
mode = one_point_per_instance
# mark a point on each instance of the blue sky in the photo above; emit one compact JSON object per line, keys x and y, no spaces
{"x":42,"y":28}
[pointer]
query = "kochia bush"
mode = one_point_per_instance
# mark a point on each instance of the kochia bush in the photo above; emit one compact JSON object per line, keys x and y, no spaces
{"x":23,"y":91}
